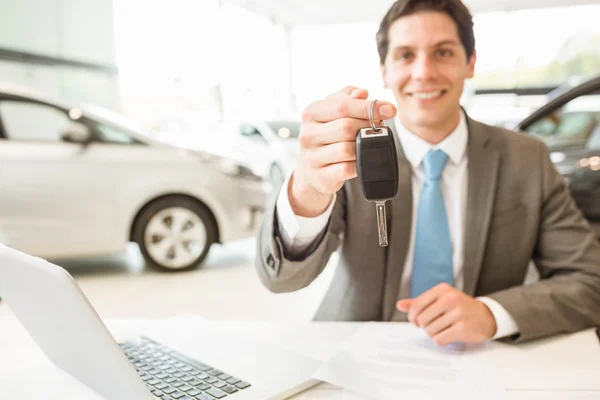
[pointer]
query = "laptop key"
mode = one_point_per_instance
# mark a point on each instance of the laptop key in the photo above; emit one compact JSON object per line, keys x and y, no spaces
{"x":218,"y":393}
{"x":187,"y":378}
{"x":190,"y":361}
{"x":232,"y":381}
{"x":166,"y":397}
{"x":210,"y":380}
{"x":219,"y":384}
{"x":229,"y":389}
{"x":204,"y":397}
{"x":177,"y":395}
{"x":203,"y":386}
{"x":195,"y":382}
{"x":242,"y":385}
{"x":193,"y":392}
{"x":177,"y":384}
{"x":169,"y":390}
{"x":161,"y":386}
{"x":157,"y":393}
{"x":214,"y":372}
{"x":185,"y":388}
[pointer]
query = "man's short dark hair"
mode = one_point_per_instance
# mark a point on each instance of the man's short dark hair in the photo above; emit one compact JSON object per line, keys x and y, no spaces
{"x":454,"y":8}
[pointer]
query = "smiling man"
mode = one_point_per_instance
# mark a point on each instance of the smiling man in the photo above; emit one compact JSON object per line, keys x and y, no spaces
{"x":475,"y":205}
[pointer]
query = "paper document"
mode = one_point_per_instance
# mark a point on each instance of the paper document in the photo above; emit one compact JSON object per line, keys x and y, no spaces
{"x":382,"y":361}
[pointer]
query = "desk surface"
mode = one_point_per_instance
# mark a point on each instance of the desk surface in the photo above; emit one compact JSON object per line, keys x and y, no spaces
{"x":26,"y":373}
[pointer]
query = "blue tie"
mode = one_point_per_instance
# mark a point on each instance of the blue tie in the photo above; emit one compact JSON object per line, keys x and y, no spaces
{"x":433,"y":249}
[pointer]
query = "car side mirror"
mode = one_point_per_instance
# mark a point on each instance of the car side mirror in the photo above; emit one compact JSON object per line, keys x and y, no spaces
{"x":76,"y":132}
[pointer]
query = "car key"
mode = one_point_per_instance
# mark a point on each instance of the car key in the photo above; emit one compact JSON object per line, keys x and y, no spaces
{"x":377,"y":168}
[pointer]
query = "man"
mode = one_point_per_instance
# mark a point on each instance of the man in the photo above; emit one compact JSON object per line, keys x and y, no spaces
{"x":475,"y":205}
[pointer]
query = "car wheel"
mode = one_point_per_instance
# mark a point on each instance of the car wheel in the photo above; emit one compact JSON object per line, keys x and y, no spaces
{"x":175,"y":233}
{"x":276,"y":178}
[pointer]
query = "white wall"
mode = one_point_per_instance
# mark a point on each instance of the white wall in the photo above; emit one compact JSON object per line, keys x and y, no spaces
{"x":78,"y":30}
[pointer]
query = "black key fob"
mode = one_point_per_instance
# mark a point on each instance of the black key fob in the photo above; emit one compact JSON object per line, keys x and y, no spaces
{"x":377,"y":163}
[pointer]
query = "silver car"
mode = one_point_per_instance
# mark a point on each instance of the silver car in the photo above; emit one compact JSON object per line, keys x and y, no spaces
{"x":80,"y":181}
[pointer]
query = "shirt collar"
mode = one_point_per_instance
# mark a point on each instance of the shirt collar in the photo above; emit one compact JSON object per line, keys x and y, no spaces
{"x":415,"y":148}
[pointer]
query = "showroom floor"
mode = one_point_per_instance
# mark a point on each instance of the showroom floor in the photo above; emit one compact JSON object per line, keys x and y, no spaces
{"x":225,"y":287}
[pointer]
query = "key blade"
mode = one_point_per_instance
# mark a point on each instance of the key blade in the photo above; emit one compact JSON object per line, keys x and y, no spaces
{"x":381,"y":224}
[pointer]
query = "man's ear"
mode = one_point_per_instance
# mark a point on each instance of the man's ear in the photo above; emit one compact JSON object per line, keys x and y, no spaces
{"x":383,"y":76}
{"x":471,"y":64}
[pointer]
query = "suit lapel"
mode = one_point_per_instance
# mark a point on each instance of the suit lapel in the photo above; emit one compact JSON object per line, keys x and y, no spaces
{"x":399,"y":231}
{"x":483,"y":167}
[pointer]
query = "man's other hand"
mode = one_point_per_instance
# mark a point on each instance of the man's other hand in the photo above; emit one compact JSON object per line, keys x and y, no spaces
{"x":449,"y":315}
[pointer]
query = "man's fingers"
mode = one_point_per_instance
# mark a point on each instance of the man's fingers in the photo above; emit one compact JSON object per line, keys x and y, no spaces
{"x":425,"y":299}
{"x":340,"y":130}
{"x":441,"y":323}
{"x":359,"y":94}
{"x":349,"y":91}
{"x":330,"y":110}
{"x":433,"y":311}
{"x":339,"y":172}
{"x":332,"y":154}
{"x":403,"y":305}
{"x":454,"y":333}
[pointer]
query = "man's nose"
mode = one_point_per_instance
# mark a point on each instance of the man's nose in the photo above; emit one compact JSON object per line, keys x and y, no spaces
{"x":424,"y":68}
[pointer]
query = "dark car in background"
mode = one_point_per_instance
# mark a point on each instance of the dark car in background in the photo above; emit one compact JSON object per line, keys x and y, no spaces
{"x":569,"y":124}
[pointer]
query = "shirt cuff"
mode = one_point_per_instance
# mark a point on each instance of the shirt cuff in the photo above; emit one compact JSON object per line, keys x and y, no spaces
{"x":297,"y":233}
{"x":505,"y":324}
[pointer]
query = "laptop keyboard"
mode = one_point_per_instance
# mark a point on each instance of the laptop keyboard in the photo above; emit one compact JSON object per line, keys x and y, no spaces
{"x":172,"y":376}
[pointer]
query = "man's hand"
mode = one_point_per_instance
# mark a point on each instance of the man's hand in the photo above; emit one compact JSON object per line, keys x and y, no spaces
{"x":328,"y":147}
{"x":448,"y":315}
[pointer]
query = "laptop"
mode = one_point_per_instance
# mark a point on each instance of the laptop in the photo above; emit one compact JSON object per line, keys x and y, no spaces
{"x":205,"y":365}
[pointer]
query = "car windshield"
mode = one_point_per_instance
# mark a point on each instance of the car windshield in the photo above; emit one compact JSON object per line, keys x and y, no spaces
{"x":571,"y":125}
{"x":285,"y":129}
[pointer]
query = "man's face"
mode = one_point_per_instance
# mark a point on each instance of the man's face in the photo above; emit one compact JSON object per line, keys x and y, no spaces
{"x":426,"y":66}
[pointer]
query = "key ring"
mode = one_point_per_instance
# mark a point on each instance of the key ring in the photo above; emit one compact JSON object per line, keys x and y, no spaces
{"x":371,"y":116}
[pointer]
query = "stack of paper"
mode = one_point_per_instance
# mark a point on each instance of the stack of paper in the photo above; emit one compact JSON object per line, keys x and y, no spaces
{"x":385,"y":361}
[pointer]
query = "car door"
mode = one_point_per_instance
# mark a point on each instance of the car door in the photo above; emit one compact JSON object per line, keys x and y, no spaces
{"x":56,"y":198}
{"x":572,"y":133}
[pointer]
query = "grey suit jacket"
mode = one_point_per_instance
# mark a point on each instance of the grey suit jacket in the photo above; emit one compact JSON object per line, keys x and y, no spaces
{"x":518,"y":209}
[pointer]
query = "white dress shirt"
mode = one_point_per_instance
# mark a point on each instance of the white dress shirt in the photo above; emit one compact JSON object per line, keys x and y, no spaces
{"x":298,"y":233}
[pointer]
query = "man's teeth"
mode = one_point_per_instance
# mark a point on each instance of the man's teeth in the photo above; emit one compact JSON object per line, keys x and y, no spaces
{"x":428,"y":95}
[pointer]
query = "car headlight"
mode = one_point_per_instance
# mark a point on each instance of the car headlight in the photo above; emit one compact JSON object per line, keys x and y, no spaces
{"x":230,"y":167}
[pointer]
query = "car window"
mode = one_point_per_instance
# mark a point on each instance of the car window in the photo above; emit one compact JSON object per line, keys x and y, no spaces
{"x":594,"y":142}
{"x":25,"y":121}
{"x":571,"y":125}
{"x":111,"y":134}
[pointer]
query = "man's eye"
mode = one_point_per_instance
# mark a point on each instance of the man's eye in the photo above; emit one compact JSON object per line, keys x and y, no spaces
{"x":404,"y":56}
{"x":444,"y":53}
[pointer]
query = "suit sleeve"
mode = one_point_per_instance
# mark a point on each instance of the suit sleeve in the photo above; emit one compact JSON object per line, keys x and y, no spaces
{"x":567,"y":256}
{"x":279,"y":270}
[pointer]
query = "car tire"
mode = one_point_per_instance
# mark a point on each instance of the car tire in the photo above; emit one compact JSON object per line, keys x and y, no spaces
{"x":174,"y":233}
{"x":276,"y":177}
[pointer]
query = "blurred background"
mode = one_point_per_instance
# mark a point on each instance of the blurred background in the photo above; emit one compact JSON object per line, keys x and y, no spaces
{"x":142,"y":138}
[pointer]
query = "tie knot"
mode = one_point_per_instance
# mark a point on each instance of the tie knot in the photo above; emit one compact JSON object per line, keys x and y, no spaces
{"x":434,"y":163}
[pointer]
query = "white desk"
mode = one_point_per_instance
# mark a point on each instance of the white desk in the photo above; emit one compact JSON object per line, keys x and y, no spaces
{"x":25,"y":373}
